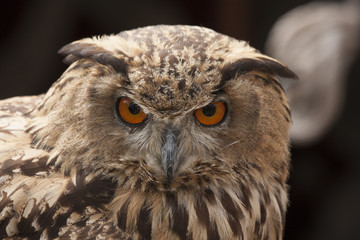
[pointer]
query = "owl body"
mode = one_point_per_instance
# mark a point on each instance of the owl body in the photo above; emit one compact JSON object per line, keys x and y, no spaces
{"x":162,"y":132}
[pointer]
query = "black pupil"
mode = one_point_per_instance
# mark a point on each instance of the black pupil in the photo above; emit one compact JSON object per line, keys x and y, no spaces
{"x":209,"y":110}
{"x":134,"y":108}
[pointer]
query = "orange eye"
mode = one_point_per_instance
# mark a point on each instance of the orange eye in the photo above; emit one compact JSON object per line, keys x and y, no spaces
{"x":129,"y":111}
{"x":211,"y":114}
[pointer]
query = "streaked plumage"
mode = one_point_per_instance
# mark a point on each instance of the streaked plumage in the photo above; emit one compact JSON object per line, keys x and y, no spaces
{"x":71,"y":167}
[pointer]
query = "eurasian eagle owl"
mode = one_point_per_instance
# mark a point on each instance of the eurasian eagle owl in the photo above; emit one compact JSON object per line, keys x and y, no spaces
{"x":162,"y":132}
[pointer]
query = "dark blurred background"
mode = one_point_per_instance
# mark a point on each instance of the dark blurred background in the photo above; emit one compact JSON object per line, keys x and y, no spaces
{"x":325,"y":176}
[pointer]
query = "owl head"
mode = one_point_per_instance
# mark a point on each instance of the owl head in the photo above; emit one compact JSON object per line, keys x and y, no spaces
{"x":170,"y":110}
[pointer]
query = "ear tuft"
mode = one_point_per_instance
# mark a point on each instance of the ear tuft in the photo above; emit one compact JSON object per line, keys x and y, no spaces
{"x":276,"y":68}
{"x":84,"y":49}
{"x":260,"y":63}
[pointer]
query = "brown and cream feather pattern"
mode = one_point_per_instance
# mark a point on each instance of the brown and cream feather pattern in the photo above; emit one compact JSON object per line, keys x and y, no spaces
{"x":71,"y":169}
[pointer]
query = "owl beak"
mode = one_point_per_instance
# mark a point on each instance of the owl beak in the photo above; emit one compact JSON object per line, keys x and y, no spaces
{"x":168,"y":154}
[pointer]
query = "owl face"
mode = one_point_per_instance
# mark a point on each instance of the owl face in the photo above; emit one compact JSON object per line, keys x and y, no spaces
{"x":165,"y":132}
{"x":164,"y":100}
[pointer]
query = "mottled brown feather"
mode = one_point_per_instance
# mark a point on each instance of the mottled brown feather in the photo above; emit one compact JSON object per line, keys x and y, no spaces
{"x":70,"y":168}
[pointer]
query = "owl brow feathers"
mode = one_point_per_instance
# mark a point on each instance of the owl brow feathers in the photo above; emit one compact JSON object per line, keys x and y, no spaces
{"x":262,"y":64}
{"x":76,"y":51}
